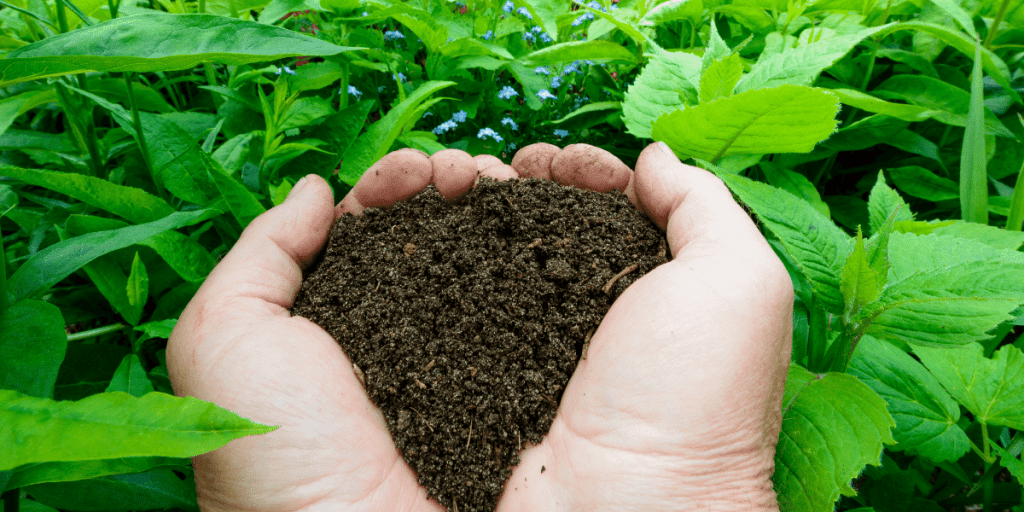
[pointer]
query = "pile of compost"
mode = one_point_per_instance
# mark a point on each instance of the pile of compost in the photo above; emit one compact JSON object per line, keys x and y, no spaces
{"x":466,"y":320}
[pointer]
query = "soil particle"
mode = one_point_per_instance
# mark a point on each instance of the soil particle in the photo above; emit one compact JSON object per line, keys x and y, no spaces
{"x":465,"y":320}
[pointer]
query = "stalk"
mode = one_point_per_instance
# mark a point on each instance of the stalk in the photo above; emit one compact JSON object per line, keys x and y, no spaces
{"x":62,"y":17}
{"x":3,"y":276}
{"x":92,"y":333}
{"x":817,"y":336}
{"x":995,"y":24}
{"x":141,"y":136}
{"x":113,"y":9}
{"x":989,"y":484}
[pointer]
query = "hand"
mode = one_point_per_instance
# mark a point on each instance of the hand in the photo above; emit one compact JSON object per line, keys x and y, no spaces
{"x":676,"y":407}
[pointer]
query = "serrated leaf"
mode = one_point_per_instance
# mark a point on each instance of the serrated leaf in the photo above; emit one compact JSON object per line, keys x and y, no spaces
{"x":912,"y":253}
{"x":860,"y":281}
{"x":814,"y":242}
{"x":158,"y":42}
{"x":882,"y":201}
{"x":130,"y":377}
{"x":668,"y":82}
{"x":832,"y":427}
{"x":153,"y":425}
{"x":32,"y":347}
{"x":1009,"y":461}
{"x":719,"y":79}
{"x":803,"y":64}
{"x":156,"y":489}
{"x":948,"y":306}
{"x":920,"y":182}
{"x":690,"y":10}
{"x":989,"y":235}
{"x":926,"y":417}
{"x":596,"y":51}
{"x":992,"y":389}
{"x":244,"y":207}
{"x":716,"y":49}
{"x":785,"y":119}
{"x":796,"y":184}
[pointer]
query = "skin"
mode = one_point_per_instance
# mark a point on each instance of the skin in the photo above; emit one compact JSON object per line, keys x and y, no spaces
{"x":677,"y":406}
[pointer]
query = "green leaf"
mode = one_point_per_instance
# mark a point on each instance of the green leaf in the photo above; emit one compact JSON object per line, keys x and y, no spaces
{"x":47,"y":472}
{"x":882,"y":201}
{"x":243,"y":205}
{"x":32,"y":347}
{"x":719,"y":79}
{"x":716,"y":49}
{"x":672,"y":10}
{"x":784,"y":119}
{"x":926,"y":417}
{"x":158,"y":42}
{"x":989,"y":235}
{"x":157,"y":489}
{"x":137,"y":287}
{"x":992,"y":389}
{"x":947,"y":306}
{"x":877,"y":249}
{"x":962,"y":17}
{"x":29,"y":139}
{"x":130,"y":377}
{"x":832,"y":426}
{"x":111,"y":282}
{"x":378,"y":138}
{"x":794,"y":183}
{"x":860,"y":281}
{"x":599,"y":106}
{"x":869,"y":103}
{"x":814,"y":242}
{"x":920,"y":182}
{"x":946,"y":103}
{"x":153,"y":425}
{"x":667,"y":82}
{"x":155,"y":329}
{"x":596,"y":51}
{"x":130,"y":203}
{"x":914,"y":253}
{"x":803,"y":64}
{"x":546,"y":13}
{"x":52,"y":264}
{"x":973,"y":161}
{"x":1009,"y":461}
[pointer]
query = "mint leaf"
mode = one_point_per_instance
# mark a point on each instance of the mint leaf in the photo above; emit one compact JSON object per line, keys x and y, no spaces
{"x":992,"y":389}
{"x":911,"y":253}
{"x":719,"y":79}
{"x":926,"y":417}
{"x":796,"y":184}
{"x":920,"y":182}
{"x":832,"y":426}
{"x":989,"y":235}
{"x":882,"y":201}
{"x":860,"y":281}
{"x":667,"y":82}
{"x":877,"y":249}
{"x":716,"y":48}
{"x":785,"y":119}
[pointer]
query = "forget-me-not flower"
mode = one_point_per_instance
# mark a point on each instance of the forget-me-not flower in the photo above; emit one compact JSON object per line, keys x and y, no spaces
{"x":525,"y":12}
{"x":393,"y":35}
{"x":459,"y":117}
{"x":354,"y":92}
{"x":545,"y":94}
{"x":381,"y":89}
{"x":529,"y":37}
{"x":507,"y":93}
{"x":510,"y":146}
{"x":508,"y":122}
{"x":587,"y":16}
{"x":571,"y":68}
{"x":286,"y":69}
{"x":443,"y":127}
{"x":399,"y":77}
{"x":544,"y":37}
{"x":556,"y":82}
{"x":561,"y":134}
{"x":488,"y":35}
{"x":509,"y":6}
{"x":537,"y":29}
{"x":542,"y":71}
{"x":487,"y":132}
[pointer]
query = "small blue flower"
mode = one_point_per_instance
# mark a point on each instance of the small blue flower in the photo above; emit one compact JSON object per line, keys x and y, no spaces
{"x":354,"y":92}
{"x":488,"y":35}
{"x":571,"y":68}
{"x":510,"y":146}
{"x":487,"y":132}
{"x":286,"y":69}
{"x":444,"y":127}
{"x":428,"y":114}
{"x":365,"y":14}
{"x":595,"y":5}
{"x":393,"y":35}
{"x":399,"y":77}
{"x":556,"y":82}
{"x":381,"y":89}
{"x":537,"y":29}
{"x":542,"y":71}
{"x":588,"y":62}
{"x":507,"y":93}
{"x":545,"y":94}
{"x":528,"y":37}
{"x":509,"y":6}
{"x":544,"y":37}
{"x":561,"y":134}
{"x":508,"y":122}
{"x":459,"y":117}
{"x":525,"y":12}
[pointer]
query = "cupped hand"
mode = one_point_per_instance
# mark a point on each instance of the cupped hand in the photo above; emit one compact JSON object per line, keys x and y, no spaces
{"x":676,"y":407}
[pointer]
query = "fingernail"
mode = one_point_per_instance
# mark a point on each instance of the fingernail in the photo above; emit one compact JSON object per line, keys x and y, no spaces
{"x":667,"y":150}
{"x":295,"y":189}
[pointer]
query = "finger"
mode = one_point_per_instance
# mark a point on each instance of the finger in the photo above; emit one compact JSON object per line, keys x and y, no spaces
{"x":454,"y":172}
{"x":500,"y":172}
{"x":534,"y":161}
{"x":485,"y":161}
{"x":591,"y":168}
{"x":690,"y":204}
{"x":395,"y":177}
{"x":267,"y":261}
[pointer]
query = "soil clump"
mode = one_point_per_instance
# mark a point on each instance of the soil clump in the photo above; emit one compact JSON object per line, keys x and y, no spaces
{"x":466,"y":320}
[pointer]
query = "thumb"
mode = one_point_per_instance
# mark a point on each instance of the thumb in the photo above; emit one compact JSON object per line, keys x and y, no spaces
{"x":267,"y":261}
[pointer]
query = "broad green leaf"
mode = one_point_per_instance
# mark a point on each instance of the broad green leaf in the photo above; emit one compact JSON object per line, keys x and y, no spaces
{"x":130,"y":377}
{"x":338,"y":131}
{"x":16,"y":105}
{"x":794,"y":183}
{"x":716,"y":49}
{"x":882,"y":201}
{"x":882,"y":129}
{"x":860,"y":281}
{"x":990,"y":235}
{"x":52,"y":264}
{"x":130,"y":203}
{"x":153,"y":425}
{"x":816,"y":244}
{"x":531,"y":81}
{"x":47,"y":472}
{"x":926,"y":417}
{"x":596,"y":51}
{"x":378,"y":138}
{"x":137,"y":287}
{"x":946,"y":103}
{"x":668,"y":81}
{"x":719,"y":79}
{"x":832,"y":426}
{"x":473,"y":47}
{"x":158,"y":42}
{"x":920,"y":182}
{"x":235,"y":151}
{"x":1009,"y":461}
{"x":30,"y":139}
{"x":156,"y":489}
{"x":784,"y":119}
{"x":690,"y":10}
{"x":803,"y":64}
{"x":992,"y":389}
{"x":962,"y":17}
{"x":243,"y":205}
{"x":188,"y":258}
{"x":32,"y":347}
{"x":973,"y":161}
{"x":622,"y":19}
{"x":869,"y":103}
{"x":914,"y":253}
{"x":948,"y":306}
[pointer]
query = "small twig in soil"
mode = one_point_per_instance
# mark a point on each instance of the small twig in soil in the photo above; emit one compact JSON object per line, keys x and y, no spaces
{"x":420,"y":384}
{"x":360,"y":376}
{"x":424,"y":419}
{"x":472,"y":372}
{"x":430,"y":365}
{"x":470,"y":434}
{"x":611,"y":282}
{"x":534,"y":243}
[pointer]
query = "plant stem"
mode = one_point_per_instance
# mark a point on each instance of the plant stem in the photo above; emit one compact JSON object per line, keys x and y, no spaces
{"x":1016,"y":216}
{"x":113,"y":9}
{"x":11,"y":499}
{"x":995,"y":24}
{"x":3,"y":276}
{"x":141,"y":136}
{"x":202,"y":6}
{"x":989,"y":484}
{"x":817,"y":336}
{"x":62,"y":17}
{"x":92,"y":333}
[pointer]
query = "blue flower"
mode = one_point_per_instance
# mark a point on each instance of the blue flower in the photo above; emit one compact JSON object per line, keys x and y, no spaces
{"x":399,"y":77}
{"x":459,"y":117}
{"x":595,"y":5}
{"x":507,"y":93}
{"x":544,"y":37}
{"x":525,"y":12}
{"x":510,"y":146}
{"x":571,"y":68}
{"x":381,"y":89}
{"x":365,"y":14}
{"x":529,"y":37}
{"x":354,"y":92}
{"x":509,"y":6}
{"x":510,"y":124}
{"x":537,"y":29}
{"x":542,"y":71}
{"x":561,"y":134}
{"x":545,"y":94}
{"x":392,"y":35}
{"x":488,"y":35}
{"x":556,"y":82}
{"x":286,"y":69}
{"x":487,"y":132}
{"x":428,"y":113}
{"x":443,"y":127}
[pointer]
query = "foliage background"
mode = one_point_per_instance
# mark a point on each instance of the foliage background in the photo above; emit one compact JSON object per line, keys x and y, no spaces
{"x":135,"y":151}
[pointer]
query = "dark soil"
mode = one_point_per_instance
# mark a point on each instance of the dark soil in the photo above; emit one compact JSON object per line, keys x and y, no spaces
{"x":466,"y":320}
